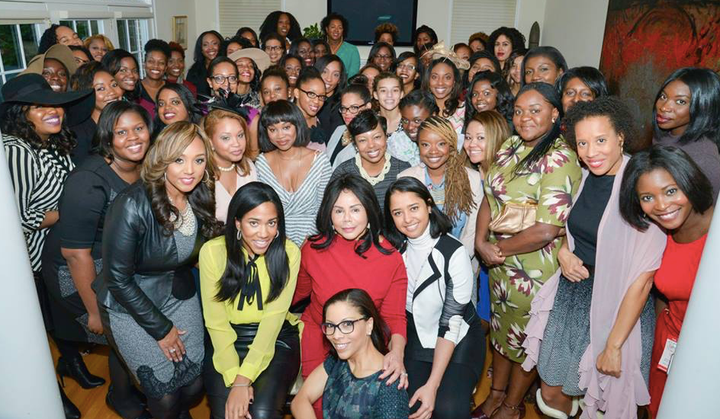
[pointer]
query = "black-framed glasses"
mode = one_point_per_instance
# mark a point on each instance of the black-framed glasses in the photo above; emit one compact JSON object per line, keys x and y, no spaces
{"x":220,"y":79}
{"x":313,"y":95}
{"x":345,"y":326}
{"x":353,"y":109}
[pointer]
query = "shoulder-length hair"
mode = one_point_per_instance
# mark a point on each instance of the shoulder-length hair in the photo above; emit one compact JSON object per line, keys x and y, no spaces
{"x":546,"y":142}
{"x":687,"y":174}
{"x":551,"y":53}
{"x":186,"y":97}
{"x":496,"y":132}
{"x":112,"y":61}
{"x":237,"y":39}
{"x":590,"y":76}
{"x":430,"y":32}
{"x":256,"y":42}
{"x":704,"y":85}
{"x":453,"y":100}
{"x":325,"y":23}
{"x":209,"y":124}
{"x":363,"y":303}
{"x":99,"y":37}
{"x":439,"y":222}
{"x":282,"y":111}
{"x":237,"y":278}
{"x":517,"y":39}
{"x":271,"y":21}
{"x":15,"y":123}
{"x":84,"y":76}
{"x":105,"y":133}
{"x":375,"y":50}
{"x":366,"y":195}
{"x":168,"y":146}
{"x":505,"y":101}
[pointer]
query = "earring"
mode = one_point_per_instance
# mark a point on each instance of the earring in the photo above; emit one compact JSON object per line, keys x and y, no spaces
{"x":277,"y":234}
{"x":165,"y":176}
{"x":553,"y":120}
{"x":238,"y":235}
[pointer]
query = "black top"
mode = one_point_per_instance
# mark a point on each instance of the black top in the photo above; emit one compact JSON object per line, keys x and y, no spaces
{"x":84,"y":133}
{"x":330,"y":117}
{"x":198,"y":76}
{"x":396,"y":166}
{"x":88,"y":192}
{"x":141,"y":270}
{"x":586,"y":213}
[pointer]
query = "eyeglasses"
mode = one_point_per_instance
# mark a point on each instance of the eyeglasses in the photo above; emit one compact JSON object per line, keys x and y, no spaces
{"x":383,"y":57}
{"x":220,"y":79}
{"x":408,"y":67}
{"x":313,"y":95}
{"x":345,"y":326}
{"x":273,"y":48}
{"x":416,"y":121}
{"x":353,"y":109}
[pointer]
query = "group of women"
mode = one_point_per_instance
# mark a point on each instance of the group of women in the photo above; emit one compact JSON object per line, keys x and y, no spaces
{"x":282,"y":212}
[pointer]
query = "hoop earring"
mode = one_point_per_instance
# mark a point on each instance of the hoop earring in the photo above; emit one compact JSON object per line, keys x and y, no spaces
{"x":207,"y":174}
{"x":277,"y":234}
{"x":238,"y":236}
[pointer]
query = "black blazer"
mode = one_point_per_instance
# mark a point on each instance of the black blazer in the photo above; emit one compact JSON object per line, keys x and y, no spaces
{"x":140,"y":263}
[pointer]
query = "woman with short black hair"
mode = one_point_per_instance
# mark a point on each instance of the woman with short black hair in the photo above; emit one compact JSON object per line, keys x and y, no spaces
{"x":175,"y":103}
{"x":298,"y":174}
{"x":157,"y":55}
{"x":581,"y":84}
{"x":488,"y":91}
{"x":425,"y":37}
{"x":543,"y":64}
{"x":303,"y":48}
{"x":335,"y":28}
{"x":247,"y":280}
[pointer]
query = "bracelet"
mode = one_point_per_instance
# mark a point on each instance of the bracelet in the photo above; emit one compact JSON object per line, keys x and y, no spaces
{"x":241,"y":385}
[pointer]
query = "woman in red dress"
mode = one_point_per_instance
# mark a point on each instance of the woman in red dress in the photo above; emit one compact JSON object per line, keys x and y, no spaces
{"x":349,"y":252}
{"x":664,"y":185}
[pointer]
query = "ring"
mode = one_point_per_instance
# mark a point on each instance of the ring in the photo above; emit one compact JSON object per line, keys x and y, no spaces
{"x":171,"y":350}
{"x":404,"y":374}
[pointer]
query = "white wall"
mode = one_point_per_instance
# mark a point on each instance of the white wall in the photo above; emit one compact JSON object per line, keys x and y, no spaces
{"x":164,"y":12}
{"x":527,"y":13}
{"x":576,"y":31}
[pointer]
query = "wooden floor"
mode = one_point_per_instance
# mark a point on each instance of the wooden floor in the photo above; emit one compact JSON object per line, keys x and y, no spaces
{"x":92,"y":402}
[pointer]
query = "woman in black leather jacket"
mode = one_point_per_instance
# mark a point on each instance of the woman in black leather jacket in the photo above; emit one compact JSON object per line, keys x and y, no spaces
{"x":146,"y":291}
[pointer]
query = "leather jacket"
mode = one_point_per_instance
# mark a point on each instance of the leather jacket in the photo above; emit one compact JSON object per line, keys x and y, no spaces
{"x":140,"y":263}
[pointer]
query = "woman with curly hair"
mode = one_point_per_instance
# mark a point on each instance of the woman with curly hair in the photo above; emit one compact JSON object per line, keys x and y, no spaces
{"x":386,"y":32}
{"x":58,"y":34}
{"x":37,"y":142}
{"x":335,"y":27}
{"x":488,"y":91}
{"x":146,"y":292}
{"x":283,"y":24}
{"x":503,"y":41}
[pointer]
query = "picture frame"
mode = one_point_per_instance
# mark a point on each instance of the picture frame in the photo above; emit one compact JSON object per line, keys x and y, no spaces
{"x":180,"y":30}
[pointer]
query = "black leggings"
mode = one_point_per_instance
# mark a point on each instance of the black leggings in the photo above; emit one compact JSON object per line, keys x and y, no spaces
{"x":455,"y":392}
{"x":270,"y":388}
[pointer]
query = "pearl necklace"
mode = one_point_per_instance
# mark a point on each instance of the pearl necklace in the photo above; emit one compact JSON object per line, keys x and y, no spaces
{"x":185,"y":224}
{"x":227,"y":169}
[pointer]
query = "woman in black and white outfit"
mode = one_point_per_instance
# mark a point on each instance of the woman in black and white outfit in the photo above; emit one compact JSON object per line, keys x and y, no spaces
{"x":445,"y":352}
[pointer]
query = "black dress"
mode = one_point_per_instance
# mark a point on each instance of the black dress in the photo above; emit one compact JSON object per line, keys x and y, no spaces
{"x":88,"y":193}
{"x":84,"y":133}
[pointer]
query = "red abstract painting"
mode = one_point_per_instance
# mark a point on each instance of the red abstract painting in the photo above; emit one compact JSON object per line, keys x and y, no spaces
{"x":647,"y":40}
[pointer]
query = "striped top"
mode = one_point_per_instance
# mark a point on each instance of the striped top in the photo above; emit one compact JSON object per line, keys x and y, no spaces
{"x":300,"y":206}
{"x":38,"y":177}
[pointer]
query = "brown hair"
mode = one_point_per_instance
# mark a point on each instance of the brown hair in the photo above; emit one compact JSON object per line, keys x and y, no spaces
{"x":209,"y":123}
{"x":496,"y":132}
{"x":99,"y":37}
{"x":386,"y":28}
{"x":169,"y":145}
{"x":458,"y":194}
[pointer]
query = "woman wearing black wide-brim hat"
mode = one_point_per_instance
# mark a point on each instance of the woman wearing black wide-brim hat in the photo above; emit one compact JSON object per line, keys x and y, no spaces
{"x":37,"y":143}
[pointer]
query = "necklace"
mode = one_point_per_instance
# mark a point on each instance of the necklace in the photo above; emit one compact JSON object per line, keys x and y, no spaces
{"x":185,"y":224}
{"x":374,"y":180}
{"x":227,"y":169}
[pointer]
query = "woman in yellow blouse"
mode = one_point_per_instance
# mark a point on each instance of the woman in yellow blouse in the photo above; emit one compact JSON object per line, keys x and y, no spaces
{"x":247,"y":279}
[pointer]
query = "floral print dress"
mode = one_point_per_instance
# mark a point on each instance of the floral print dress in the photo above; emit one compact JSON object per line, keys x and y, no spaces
{"x":551,"y":183}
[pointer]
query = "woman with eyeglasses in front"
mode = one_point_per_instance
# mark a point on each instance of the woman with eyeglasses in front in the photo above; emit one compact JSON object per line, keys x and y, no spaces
{"x":349,"y":381}
{"x":310,"y":98}
{"x":382,"y":55}
{"x":353,"y":100}
{"x":222,"y":77}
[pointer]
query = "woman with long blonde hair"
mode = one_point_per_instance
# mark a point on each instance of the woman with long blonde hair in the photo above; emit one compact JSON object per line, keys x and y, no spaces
{"x":146,"y":292}
{"x":454,"y":187}
{"x":228,"y":134}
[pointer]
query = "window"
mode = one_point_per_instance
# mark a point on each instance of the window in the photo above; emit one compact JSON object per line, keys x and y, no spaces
{"x":133,"y":34}
{"x":470,"y":16}
{"x":18,"y":44}
{"x":234,"y":14}
{"x":84,"y":27}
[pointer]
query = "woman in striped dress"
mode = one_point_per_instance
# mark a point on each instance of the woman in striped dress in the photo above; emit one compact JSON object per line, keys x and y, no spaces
{"x":298,"y":175}
{"x":37,"y":145}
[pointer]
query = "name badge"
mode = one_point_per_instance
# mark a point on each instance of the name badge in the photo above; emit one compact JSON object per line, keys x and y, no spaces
{"x":667,"y":355}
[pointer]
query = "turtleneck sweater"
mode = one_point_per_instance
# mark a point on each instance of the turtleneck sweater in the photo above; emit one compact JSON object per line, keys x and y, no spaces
{"x":415,"y":255}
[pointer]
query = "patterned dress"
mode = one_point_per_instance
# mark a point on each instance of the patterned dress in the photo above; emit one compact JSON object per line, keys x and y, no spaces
{"x":551,"y":183}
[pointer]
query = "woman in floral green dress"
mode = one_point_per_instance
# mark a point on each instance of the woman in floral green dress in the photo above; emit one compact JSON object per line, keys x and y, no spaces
{"x":536,"y":166}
